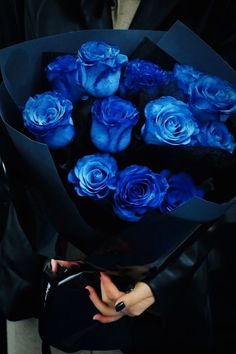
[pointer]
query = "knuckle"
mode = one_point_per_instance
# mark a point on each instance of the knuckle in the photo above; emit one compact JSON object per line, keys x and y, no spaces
{"x":104,"y":298}
{"x":134,"y":312}
{"x":108,"y":300}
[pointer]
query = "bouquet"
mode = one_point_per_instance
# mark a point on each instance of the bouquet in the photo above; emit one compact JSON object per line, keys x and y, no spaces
{"x":128,"y":139}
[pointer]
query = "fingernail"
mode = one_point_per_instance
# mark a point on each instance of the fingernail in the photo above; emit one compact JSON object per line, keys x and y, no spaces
{"x":120,"y":306}
{"x":87,"y":291}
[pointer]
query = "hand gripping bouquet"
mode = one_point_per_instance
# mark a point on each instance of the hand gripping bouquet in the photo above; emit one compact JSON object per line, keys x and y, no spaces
{"x":135,"y":158}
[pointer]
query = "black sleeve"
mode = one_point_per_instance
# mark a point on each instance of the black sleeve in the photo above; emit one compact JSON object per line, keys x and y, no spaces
{"x":11,"y":22}
{"x":223,"y":31}
{"x":195,"y":293}
{"x":4,"y":199}
{"x":182,"y":297}
{"x":175,"y":274}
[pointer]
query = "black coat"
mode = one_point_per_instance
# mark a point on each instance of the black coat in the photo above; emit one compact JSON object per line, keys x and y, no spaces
{"x":194,"y":292}
{"x":213,"y":20}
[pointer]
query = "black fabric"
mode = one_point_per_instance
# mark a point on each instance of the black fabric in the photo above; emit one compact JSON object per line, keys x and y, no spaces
{"x":184,"y":285}
{"x":18,"y":185}
{"x":4,"y":187}
{"x":46,"y":348}
{"x":12,"y":23}
{"x":19,"y":273}
{"x":196,"y":295}
{"x":4,"y":199}
{"x":3,"y":337}
{"x":222,"y":292}
{"x":25,"y":229}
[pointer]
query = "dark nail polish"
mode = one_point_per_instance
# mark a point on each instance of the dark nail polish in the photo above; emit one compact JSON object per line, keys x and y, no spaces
{"x":120,"y":306}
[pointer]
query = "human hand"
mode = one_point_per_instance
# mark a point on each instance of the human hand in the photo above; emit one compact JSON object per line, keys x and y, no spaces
{"x":57,"y":263}
{"x":115,"y":304}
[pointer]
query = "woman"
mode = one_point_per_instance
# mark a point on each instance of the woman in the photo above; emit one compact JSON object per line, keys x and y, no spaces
{"x":179,"y":288}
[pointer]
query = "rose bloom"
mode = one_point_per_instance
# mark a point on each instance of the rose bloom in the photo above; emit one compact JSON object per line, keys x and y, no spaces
{"x":47,"y":117}
{"x":138,"y":191}
{"x":181,"y":189}
{"x":212,"y":98}
{"x":168,"y":121}
{"x":62,"y":74}
{"x":112,"y":121}
{"x":93,"y":175}
{"x":99,"y":68}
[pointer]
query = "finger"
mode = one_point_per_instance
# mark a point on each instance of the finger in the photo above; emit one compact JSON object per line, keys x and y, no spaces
{"x":110,"y":293}
{"x":68,"y":264}
{"x":140,"y":293}
{"x":107,"y":282}
{"x":106,"y":319}
{"x":99,"y":304}
{"x":54,"y":265}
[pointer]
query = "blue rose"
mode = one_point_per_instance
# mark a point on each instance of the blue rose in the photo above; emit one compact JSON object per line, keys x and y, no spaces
{"x":99,"y":68}
{"x":62,"y":74}
{"x":212,"y":98}
{"x":168,"y":121}
{"x":142,"y":76}
{"x":138,"y":190}
{"x":181,"y":189}
{"x":47,"y":117}
{"x":112,"y":122}
{"x":216,"y":134}
{"x":94,"y":175}
{"x":185,"y":76}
